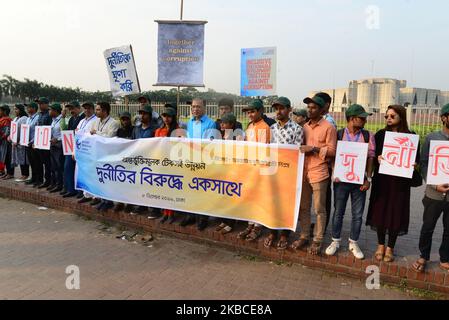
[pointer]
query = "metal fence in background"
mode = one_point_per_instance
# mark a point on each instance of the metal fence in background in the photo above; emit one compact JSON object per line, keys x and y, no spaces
{"x":422,"y":120}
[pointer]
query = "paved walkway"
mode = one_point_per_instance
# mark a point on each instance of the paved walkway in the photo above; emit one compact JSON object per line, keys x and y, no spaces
{"x":36,"y":246}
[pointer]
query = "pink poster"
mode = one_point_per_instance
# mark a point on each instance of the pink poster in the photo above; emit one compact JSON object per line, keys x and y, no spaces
{"x":68,"y":141}
{"x":438,"y":170}
{"x":399,"y":153}
{"x":350,"y":162}
{"x":42,"y":137}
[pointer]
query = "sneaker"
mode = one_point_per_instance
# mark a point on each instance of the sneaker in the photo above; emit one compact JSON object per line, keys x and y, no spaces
{"x":333,"y":248}
{"x":355,"y":249}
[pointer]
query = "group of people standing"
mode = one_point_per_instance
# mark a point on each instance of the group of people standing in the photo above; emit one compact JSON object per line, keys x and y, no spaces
{"x":313,"y":129}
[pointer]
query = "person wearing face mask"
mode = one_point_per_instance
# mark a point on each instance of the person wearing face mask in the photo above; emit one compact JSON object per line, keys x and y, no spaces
{"x":389,"y":208}
{"x":436,"y":202}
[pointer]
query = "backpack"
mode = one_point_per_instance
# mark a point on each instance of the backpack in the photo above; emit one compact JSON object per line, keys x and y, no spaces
{"x":341,"y":132}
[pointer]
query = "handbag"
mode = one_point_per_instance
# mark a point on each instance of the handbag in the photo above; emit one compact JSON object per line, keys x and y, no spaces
{"x":416,"y":179}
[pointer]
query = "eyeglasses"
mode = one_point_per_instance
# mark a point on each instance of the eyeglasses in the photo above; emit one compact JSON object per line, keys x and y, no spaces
{"x":388,"y":116}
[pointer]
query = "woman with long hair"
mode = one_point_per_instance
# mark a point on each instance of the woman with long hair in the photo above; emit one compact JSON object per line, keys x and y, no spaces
{"x":168,"y":129}
{"x":389,"y":208}
{"x":19,"y":153}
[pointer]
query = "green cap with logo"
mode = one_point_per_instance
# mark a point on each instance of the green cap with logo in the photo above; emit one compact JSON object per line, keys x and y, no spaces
{"x":283,"y":101}
{"x":229,"y":118}
{"x":56,"y":106}
{"x":254,"y":105}
{"x":445,"y":110}
{"x":316,"y":100}
{"x":144,"y":96}
{"x":43,"y":100}
{"x":357,"y":110}
{"x":146,"y":108}
{"x":300,"y":112}
{"x":169,"y":111}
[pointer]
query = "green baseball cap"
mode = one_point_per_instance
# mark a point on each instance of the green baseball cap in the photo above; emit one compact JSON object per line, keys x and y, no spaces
{"x":43,"y":100}
{"x":33,"y":105}
{"x":254,"y":105}
{"x":316,"y":100}
{"x":169,"y":111}
{"x":73,"y":104}
{"x":172,"y":105}
{"x":300,"y":112}
{"x":88,"y":104}
{"x":357,"y":110}
{"x":125,"y":114}
{"x":445,"y":110}
{"x":56,"y":107}
{"x":283,"y":101}
{"x":147,"y":108}
{"x":229,"y":118}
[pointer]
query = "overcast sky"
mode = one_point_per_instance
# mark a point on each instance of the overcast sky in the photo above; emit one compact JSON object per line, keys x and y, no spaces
{"x":321,"y":44}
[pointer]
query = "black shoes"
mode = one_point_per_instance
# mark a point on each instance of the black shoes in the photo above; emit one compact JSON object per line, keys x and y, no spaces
{"x":55,"y":189}
{"x":70,"y":195}
{"x":85,"y":200}
{"x":44,"y":185}
{"x":188,"y":220}
{"x":202,"y":225}
{"x":95,"y":202}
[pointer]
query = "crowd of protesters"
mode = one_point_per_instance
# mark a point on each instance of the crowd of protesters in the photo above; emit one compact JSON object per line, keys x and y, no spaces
{"x":313,"y":129}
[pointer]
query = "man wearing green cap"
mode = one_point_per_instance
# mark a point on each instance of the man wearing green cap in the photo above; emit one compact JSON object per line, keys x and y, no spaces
{"x":156,"y":119}
{"x":436,"y":202}
{"x":319,"y":149}
{"x":284,"y":131}
{"x":33,"y":154}
{"x":258,"y":131}
{"x":76,"y":116}
{"x":354,"y":132}
{"x":300,"y":116}
{"x":226,"y":106}
{"x":44,"y":155}
{"x":57,"y":156}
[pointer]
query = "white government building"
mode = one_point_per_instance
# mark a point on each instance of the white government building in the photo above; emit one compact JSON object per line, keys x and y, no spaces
{"x":377,"y":94}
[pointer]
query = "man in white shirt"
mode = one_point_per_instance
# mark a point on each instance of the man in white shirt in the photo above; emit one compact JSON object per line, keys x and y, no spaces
{"x":107,"y":127}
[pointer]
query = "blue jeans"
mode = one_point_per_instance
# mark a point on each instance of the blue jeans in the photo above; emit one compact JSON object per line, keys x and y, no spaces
{"x":69,"y":174}
{"x":342,"y":191}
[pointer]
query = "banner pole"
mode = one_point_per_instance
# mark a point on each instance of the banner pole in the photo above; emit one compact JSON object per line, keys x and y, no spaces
{"x":182,"y":9}
{"x":127,"y":103}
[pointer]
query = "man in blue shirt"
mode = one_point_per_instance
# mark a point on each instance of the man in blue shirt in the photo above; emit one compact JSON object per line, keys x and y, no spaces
{"x":44,"y":119}
{"x":37,"y":177}
{"x":200,"y":126}
{"x":56,"y":154}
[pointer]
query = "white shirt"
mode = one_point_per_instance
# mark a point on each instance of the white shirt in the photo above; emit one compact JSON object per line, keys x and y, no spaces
{"x":105,"y":128}
{"x":85,"y":124}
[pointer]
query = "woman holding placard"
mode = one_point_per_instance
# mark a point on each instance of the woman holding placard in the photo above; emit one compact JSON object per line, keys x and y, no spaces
{"x":389,"y":209}
{"x":19,"y":153}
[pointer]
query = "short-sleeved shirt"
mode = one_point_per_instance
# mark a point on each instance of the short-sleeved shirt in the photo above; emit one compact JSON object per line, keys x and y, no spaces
{"x":322,"y":135}
{"x":290,"y":133}
{"x":358,"y":137}
{"x":258,"y":132}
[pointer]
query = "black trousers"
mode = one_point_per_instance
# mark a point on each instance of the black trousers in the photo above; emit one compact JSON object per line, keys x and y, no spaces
{"x":37,"y":174}
{"x":45,"y":162}
{"x":8,"y":161}
{"x":25,"y":170}
{"x":328,"y":201}
{"x":432,"y":212}
{"x":57,"y":165}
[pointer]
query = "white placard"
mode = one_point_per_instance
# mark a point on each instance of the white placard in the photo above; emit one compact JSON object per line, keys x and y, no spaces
{"x":25,"y":135}
{"x":399,"y":153}
{"x":438,"y":170}
{"x":42,"y":137}
{"x":68,"y":142}
{"x":122,"y":71}
{"x":14,"y":131}
{"x":350,"y":162}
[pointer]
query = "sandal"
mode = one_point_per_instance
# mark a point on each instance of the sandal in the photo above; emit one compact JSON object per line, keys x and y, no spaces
{"x":245,"y":233}
{"x":283,"y":243}
{"x":380,"y":253}
{"x":269,"y":240}
{"x":420,"y":265}
{"x":299,"y":244}
{"x":220,"y":227}
{"x":315,"y":248}
{"x":226,"y":230}
{"x":445,"y":268}
{"x":255,"y":233}
{"x":389,"y":256}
